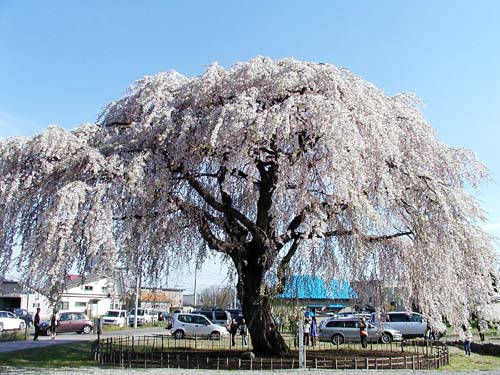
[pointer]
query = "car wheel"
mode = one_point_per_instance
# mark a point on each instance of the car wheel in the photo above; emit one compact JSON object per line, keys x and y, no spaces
{"x":386,"y":338}
{"x":86,"y":329}
{"x":215,"y":335}
{"x":48,"y":332}
{"x":1,"y":327}
{"x":22,"y":325}
{"x":179,"y":334}
{"x":337,"y":339}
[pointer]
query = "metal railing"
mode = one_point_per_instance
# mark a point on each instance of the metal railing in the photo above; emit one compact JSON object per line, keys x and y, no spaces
{"x":164,"y":351}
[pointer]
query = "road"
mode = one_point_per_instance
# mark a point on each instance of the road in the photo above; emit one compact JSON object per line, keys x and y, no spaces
{"x":64,"y":338}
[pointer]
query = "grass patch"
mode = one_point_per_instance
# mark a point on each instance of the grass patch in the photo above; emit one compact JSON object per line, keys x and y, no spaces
{"x":459,"y":361}
{"x":65,"y":355}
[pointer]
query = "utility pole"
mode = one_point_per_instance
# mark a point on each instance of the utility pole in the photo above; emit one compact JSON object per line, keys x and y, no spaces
{"x":137,"y":290}
{"x":195,"y":289}
{"x":235,"y":295}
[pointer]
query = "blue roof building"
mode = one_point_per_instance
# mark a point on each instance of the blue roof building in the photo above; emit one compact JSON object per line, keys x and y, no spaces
{"x":316,"y":293}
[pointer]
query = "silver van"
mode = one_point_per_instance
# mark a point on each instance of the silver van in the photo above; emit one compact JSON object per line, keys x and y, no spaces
{"x":410,"y":324}
{"x":338,"y":331}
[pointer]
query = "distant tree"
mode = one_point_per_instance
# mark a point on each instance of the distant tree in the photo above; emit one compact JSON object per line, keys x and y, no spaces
{"x":217,"y":297}
{"x":280,"y":166}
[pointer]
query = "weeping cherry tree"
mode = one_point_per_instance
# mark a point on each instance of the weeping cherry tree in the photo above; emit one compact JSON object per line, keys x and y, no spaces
{"x":280,"y":166}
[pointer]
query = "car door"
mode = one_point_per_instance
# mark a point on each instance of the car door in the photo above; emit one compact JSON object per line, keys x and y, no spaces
{"x":65,"y":322}
{"x":77,"y":322}
{"x":11,"y":321}
{"x":417,"y":325}
{"x":187,"y":324}
{"x":350,"y":330}
{"x":399,"y":321}
{"x":201,"y":326}
{"x":122,"y":321}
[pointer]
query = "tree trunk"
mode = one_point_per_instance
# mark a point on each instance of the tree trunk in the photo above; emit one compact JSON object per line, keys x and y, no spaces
{"x":256,"y":308}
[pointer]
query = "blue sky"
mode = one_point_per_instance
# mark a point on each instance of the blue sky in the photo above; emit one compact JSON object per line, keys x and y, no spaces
{"x":63,"y":61}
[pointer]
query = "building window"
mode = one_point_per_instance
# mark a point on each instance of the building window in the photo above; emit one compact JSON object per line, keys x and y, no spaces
{"x":104,"y":289}
{"x":63,"y":305}
{"x":80,"y":304}
{"x":89,"y":287}
{"x":36,"y":305}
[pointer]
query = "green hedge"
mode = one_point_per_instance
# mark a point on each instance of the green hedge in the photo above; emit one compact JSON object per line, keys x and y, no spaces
{"x":12,"y":335}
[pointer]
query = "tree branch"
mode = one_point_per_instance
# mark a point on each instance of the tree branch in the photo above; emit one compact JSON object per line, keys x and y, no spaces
{"x":230,"y":211}
{"x":213,"y":242}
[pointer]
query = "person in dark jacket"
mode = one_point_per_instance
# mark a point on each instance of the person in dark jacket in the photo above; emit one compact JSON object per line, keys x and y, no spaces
{"x":243,"y":332}
{"x":233,"y":330}
{"x":36,"y":322}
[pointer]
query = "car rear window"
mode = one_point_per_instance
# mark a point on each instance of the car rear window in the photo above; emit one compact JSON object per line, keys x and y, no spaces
{"x":350,"y":324}
{"x":399,"y":317}
{"x":208,"y":314}
{"x":220,"y":315}
{"x":335,"y":323}
{"x":416,"y":318}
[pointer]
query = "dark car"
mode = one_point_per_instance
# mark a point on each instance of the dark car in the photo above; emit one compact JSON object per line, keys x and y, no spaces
{"x":236,"y":314}
{"x":22,"y":314}
{"x":69,"y":322}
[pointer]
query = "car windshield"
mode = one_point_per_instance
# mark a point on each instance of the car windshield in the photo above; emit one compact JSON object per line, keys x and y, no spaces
{"x":114,"y":314}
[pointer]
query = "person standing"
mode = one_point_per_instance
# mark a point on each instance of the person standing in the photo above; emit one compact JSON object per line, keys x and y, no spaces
{"x":363,"y":332}
{"x":54,"y":321}
{"x":243,"y":332}
{"x":467,"y":339}
{"x":36,"y":322}
{"x":307,"y":331}
{"x":482,"y":327}
{"x":233,"y":330}
{"x":314,"y":331}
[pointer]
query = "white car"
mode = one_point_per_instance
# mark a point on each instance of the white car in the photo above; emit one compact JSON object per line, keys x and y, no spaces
{"x":196,"y":325}
{"x":144,"y":316}
{"x":115,"y":318}
{"x":9,"y":321}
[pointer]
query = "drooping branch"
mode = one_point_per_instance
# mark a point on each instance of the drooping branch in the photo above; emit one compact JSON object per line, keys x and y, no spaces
{"x":284,"y":267}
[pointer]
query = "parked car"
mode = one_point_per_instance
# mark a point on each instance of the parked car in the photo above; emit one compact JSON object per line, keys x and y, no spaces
{"x":22,"y":314}
{"x":410,"y":324}
{"x":8,"y":321}
{"x":338,"y":331}
{"x":344,"y":315}
{"x":197,"y":325}
{"x":217,"y":316}
{"x":69,"y":322}
{"x":144,"y":316}
{"x":116,"y":318}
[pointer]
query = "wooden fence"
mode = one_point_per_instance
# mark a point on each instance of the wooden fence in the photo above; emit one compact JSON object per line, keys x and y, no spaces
{"x":153,"y":351}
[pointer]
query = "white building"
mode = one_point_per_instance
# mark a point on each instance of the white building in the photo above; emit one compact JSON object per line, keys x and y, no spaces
{"x":93,"y":296}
